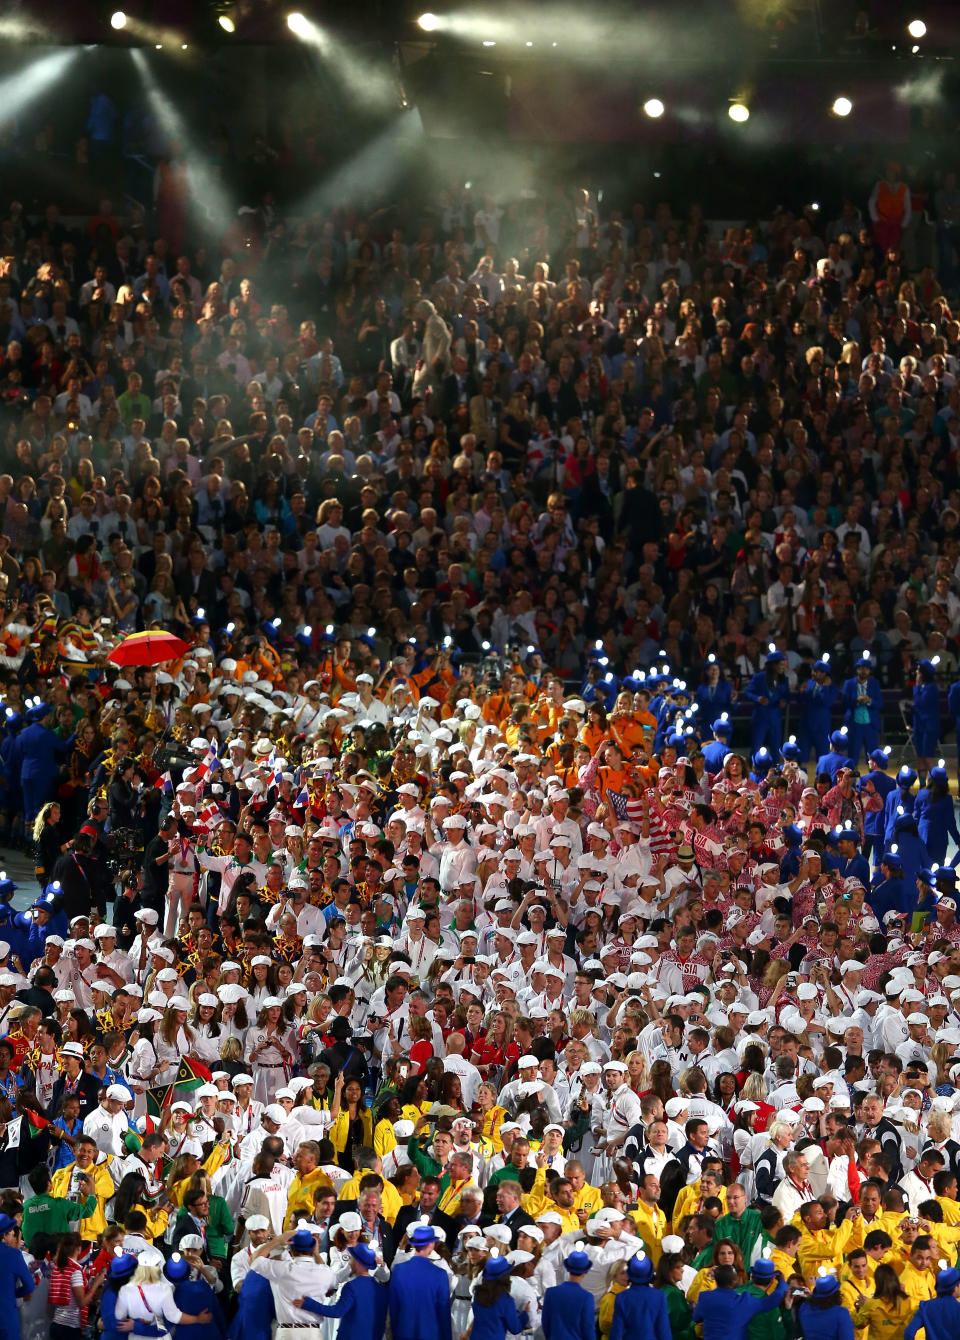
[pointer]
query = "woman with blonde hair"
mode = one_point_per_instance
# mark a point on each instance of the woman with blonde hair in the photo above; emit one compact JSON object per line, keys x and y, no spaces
{"x":148,"y":1299}
{"x":492,"y":1115}
{"x":50,"y":838}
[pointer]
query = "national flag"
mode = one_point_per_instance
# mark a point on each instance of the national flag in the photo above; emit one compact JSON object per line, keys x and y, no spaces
{"x":303,"y":799}
{"x":631,"y":809}
{"x":209,"y":763}
{"x":627,"y":808}
{"x":34,"y":1122}
{"x":158,"y":1100}
{"x":191,"y":1074}
{"x":209,"y":816}
{"x":165,"y":784}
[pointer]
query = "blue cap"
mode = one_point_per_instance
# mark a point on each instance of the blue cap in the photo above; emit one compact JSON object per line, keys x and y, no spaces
{"x":7,"y":888}
{"x":423,"y":1235}
{"x":721,"y":727}
{"x":496,"y":1267}
{"x":774,"y":657}
{"x":302,"y":1241}
{"x":879,"y":757}
{"x":823,"y":666}
{"x":38,"y":712}
{"x":893,"y":859}
{"x":939,"y":775}
{"x":176,"y":1268}
{"x":839,"y":739}
{"x":790,"y":751}
{"x":792,"y":835}
{"x":846,"y":835}
{"x":640,"y":1269}
{"x":927,"y":666}
{"x":122,"y":1265}
{"x":946,"y":875}
{"x":826,"y":1286}
{"x":7,"y":1222}
{"x":763,"y":759}
{"x":903,"y":821}
{"x":947,"y":1280}
{"x":578,"y":1263}
{"x":762,"y":1269}
{"x":927,"y":876}
{"x":906,"y":776}
{"x":363,"y":1254}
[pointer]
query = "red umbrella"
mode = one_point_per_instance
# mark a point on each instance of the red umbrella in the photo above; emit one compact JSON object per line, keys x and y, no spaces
{"x":150,"y":648}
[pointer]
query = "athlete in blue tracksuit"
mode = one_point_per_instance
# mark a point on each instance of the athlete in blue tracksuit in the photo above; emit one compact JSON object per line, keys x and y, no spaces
{"x":640,"y":1309}
{"x":836,"y":756}
{"x":716,"y":750}
{"x":940,"y":1316}
{"x":926,"y":715}
{"x":818,"y":697}
{"x":34,"y":756}
{"x":769,"y":691}
{"x":936,"y":820}
{"x":899,"y":798}
{"x":863,"y":709}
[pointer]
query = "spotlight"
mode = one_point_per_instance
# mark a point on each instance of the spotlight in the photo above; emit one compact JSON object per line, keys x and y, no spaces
{"x":738,"y":111}
{"x":917,"y":28}
{"x":428,"y":22}
{"x":118,"y":19}
{"x":842,"y":106}
{"x":653,"y":107}
{"x":227,"y":23}
{"x":297,"y":23}
{"x":489,"y":43}
{"x":528,"y":44}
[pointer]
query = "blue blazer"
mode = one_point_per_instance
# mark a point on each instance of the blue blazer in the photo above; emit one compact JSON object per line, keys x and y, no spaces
{"x":420,"y":1301}
{"x":361,"y":1307}
{"x":569,"y":1313}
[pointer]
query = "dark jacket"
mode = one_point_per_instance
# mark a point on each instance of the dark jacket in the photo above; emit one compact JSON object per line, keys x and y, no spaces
{"x":388,"y":1234}
{"x":411,"y":1215}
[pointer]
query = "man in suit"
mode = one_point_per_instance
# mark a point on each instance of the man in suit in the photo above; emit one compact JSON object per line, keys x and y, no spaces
{"x":511,"y":1214}
{"x":369,"y":1209}
{"x":485,"y":415}
{"x":458,"y":387}
{"x":74,"y":1080}
{"x":196,"y":1205}
{"x":412,"y":1214}
{"x":471,"y":1211}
